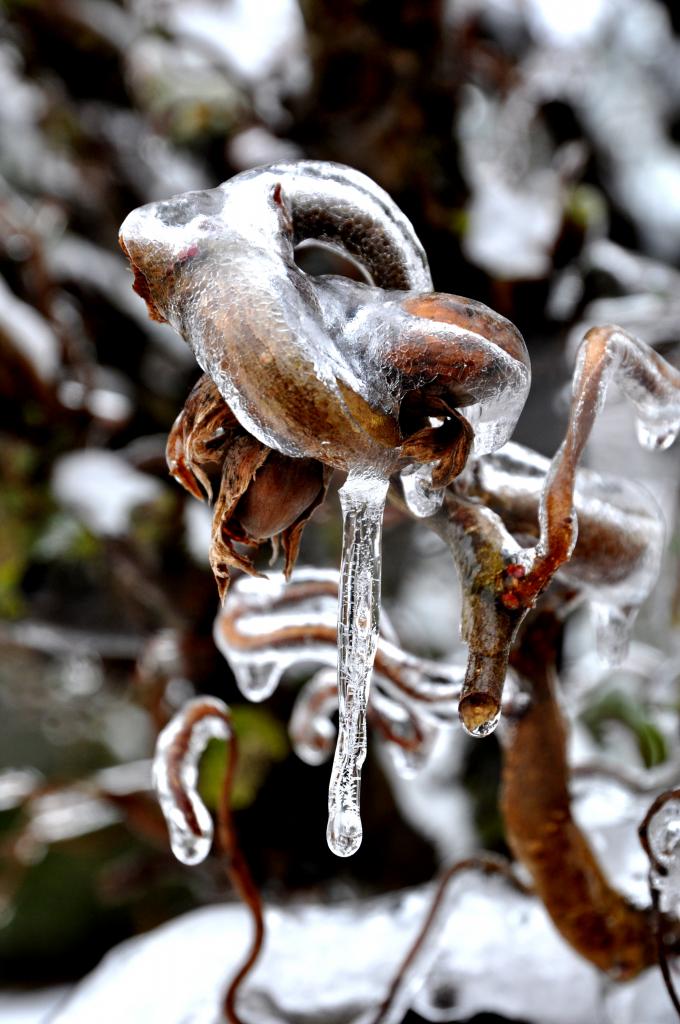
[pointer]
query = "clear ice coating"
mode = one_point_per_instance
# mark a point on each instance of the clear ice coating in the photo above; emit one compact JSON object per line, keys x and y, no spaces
{"x":663,"y":835}
{"x":409,"y":737}
{"x":369,"y":378}
{"x":613,"y":630}
{"x":261,"y":628}
{"x":321,"y":368}
{"x":277,"y":624}
{"x":363,"y":501}
{"x":617,"y":556}
{"x":318,"y":367}
{"x":421,"y":496}
{"x":645,"y":377}
{"x":175,"y":775}
{"x":270,"y":625}
{"x":653,"y":387}
{"x":311,"y":730}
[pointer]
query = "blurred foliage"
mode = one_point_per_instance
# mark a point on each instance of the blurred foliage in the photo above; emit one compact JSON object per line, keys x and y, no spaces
{"x":262,"y":742}
{"x":615,"y":706}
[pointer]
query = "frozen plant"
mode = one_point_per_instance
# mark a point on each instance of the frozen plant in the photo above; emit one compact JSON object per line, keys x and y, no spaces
{"x":327,"y":372}
{"x":416,"y":394}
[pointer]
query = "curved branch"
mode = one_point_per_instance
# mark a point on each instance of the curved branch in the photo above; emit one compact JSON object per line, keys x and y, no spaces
{"x":502,"y":580}
{"x":178,"y":752}
{"x":652,"y":386}
{"x":269,"y":625}
{"x":595,"y":919}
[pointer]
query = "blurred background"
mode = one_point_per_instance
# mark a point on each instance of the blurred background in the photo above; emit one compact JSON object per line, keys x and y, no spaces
{"x":535,"y":146}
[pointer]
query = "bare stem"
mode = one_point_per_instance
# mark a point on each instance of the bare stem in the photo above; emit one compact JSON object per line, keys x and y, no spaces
{"x":596,"y":920}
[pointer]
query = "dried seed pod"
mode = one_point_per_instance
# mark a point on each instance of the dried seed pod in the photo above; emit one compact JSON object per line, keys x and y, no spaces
{"x":320,"y":367}
{"x":196,"y":443}
{"x":261,"y":495}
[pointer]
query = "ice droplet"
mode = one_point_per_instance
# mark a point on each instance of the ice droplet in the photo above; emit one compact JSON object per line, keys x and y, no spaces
{"x":613,"y":628}
{"x":175,"y":775}
{"x":479,"y":718}
{"x":421,"y":497}
{"x":257,"y":680}
{"x":656,"y":436}
{"x":363,"y":501}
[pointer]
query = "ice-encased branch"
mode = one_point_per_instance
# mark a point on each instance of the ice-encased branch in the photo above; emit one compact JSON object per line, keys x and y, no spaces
{"x":502,"y":579}
{"x":175,"y":774}
{"x":269,"y":626}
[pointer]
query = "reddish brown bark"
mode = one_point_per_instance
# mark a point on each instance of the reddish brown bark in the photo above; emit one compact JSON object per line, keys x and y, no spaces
{"x":596,"y":920}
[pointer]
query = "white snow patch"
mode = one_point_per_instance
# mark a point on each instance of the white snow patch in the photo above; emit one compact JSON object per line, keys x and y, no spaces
{"x":102,"y":489}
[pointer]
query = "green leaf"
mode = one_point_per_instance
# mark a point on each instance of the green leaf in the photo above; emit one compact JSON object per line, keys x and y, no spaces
{"x":262,"y":741}
{"x":616,"y":706}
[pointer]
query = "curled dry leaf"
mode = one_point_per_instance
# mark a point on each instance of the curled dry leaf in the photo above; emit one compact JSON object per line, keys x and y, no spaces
{"x":261,"y":495}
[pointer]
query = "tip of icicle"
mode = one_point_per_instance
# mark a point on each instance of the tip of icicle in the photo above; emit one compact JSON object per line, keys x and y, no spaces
{"x":344,"y":833}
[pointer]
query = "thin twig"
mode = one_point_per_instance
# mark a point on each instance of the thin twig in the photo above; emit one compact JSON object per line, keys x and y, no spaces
{"x":662,"y":949}
{"x":241,"y":878}
{"x":236,"y":864}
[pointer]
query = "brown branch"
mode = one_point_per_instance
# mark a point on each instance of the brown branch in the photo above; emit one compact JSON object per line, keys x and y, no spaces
{"x":596,"y":920}
{"x":501,"y":581}
{"x":488,"y":560}
{"x":648,"y":381}
{"x":236,"y":864}
{"x":241,"y":879}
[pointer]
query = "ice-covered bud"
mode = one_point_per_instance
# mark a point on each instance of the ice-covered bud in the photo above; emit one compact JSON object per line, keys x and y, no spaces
{"x":261,"y":495}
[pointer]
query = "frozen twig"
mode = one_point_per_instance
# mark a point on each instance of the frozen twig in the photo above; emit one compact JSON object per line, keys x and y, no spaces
{"x":179,"y":748}
{"x":596,"y":920}
{"x":501,"y":580}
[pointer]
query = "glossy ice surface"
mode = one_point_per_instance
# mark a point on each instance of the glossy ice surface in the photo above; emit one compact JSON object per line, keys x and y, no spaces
{"x":175,"y":777}
{"x":664,"y":843}
{"x":386,"y":376}
{"x":269,"y":626}
{"x":320,"y":366}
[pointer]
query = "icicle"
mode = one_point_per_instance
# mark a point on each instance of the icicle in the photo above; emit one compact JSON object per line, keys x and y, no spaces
{"x":421,"y":497}
{"x":363,"y":501}
{"x":175,"y":775}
